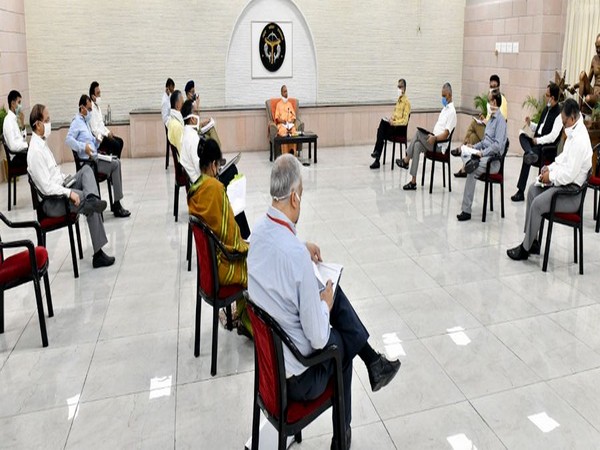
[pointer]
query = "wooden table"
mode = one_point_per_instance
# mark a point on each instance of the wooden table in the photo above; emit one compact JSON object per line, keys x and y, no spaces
{"x":306,"y":137}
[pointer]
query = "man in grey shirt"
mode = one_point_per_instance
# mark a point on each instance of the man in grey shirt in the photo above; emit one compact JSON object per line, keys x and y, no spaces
{"x":476,"y":157}
{"x":281,"y":280}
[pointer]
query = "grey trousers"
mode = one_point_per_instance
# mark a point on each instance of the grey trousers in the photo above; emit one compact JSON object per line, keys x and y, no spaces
{"x":85,"y":184}
{"x":113,"y":169}
{"x":417,"y":146}
{"x":471,"y":180}
{"x":538,"y":203}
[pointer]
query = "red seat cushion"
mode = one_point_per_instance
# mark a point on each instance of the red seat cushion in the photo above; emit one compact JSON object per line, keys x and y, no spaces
{"x":594,"y":181}
{"x":18,"y":265}
{"x":57,"y":222}
{"x":438,"y":156}
{"x":494,"y":177}
{"x":299,"y":410}
{"x":228,"y":291}
{"x":568,"y":217}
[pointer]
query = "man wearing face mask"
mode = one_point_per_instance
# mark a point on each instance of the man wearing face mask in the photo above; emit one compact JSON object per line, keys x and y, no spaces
{"x":399,"y":117}
{"x":567,"y":173}
{"x":13,"y":136}
{"x":109,"y":143}
{"x":548,"y":131}
{"x":82,"y":194}
{"x":427,"y":141}
{"x":493,"y":144}
{"x":281,"y":280}
{"x":190,"y":93}
{"x":285,"y":119}
{"x":476,"y":130}
{"x":165,"y":106}
{"x":80,"y":139}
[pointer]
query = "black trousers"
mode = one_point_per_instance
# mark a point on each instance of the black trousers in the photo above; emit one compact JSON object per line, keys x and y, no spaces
{"x":112,"y":146}
{"x":383,"y":131}
{"x":528,"y":147}
{"x":350,"y":335}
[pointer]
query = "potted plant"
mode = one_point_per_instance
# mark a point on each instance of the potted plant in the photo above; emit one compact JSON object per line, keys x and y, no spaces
{"x":537,"y":105}
{"x":3,"y":113}
{"x":480,"y":102}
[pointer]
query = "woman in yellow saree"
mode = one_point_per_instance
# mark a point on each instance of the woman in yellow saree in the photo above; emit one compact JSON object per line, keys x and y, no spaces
{"x":207,"y":199}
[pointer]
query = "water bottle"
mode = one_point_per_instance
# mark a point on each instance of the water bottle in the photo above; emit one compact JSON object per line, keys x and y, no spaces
{"x":108,"y":115}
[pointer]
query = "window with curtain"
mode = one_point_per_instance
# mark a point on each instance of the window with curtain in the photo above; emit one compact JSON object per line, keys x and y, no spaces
{"x":583,"y":25}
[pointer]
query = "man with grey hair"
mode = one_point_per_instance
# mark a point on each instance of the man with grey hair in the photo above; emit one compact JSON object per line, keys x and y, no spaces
{"x":281,"y":280}
{"x":427,"y":141}
{"x":567,"y":173}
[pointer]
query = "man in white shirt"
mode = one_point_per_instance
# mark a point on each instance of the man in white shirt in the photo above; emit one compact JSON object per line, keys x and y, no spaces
{"x":109,"y":143}
{"x":165,"y":107}
{"x":175,"y":122}
{"x":426,"y":141}
{"x":189,"y":150}
{"x":83,"y":193}
{"x":13,"y":136}
{"x":567,"y":173}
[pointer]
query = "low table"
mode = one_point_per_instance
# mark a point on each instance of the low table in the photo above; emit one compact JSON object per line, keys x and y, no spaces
{"x":306,"y":137}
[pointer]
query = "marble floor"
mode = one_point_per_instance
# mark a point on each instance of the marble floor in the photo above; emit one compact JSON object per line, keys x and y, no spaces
{"x":495,"y":354}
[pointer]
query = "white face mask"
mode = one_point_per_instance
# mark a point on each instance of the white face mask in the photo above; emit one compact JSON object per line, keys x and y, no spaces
{"x":284,"y":99}
{"x":400,"y":92}
{"x":47,"y":129}
{"x":549,"y":105}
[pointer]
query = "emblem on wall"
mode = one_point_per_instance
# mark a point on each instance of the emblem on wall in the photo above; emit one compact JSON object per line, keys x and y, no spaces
{"x":271,"y":47}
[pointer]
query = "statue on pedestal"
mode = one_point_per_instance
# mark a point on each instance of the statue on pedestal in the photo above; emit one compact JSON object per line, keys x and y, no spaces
{"x":588,"y":93}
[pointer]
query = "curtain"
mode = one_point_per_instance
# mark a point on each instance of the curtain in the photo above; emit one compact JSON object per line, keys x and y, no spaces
{"x":583,"y":25}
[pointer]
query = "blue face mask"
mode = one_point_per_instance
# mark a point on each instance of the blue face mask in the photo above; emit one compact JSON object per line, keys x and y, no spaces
{"x":444,"y":102}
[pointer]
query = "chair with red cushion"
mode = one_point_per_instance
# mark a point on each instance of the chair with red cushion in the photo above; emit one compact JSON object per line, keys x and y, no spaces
{"x":270,"y":389}
{"x":208,"y":286}
{"x":494,"y":178}
{"x":594,"y":183}
{"x":28,"y":265}
{"x":574,"y":220}
{"x":55,"y":223}
{"x":398,"y":135}
{"x":14,"y":170}
{"x":100,"y":177}
{"x":444,"y":158}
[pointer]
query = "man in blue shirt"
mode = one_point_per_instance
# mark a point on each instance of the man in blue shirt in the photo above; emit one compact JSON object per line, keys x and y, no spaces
{"x":281,"y":280}
{"x":476,"y":157}
{"x":80,"y":139}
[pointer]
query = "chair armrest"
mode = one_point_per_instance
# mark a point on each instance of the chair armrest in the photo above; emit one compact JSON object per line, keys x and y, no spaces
{"x":230,"y":256}
{"x":27,"y":224}
{"x":562,"y":193}
{"x":23,"y":243}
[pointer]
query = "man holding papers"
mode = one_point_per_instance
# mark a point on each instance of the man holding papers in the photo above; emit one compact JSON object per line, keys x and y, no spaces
{"x":80,"y":139}
{"x":282,"y":281}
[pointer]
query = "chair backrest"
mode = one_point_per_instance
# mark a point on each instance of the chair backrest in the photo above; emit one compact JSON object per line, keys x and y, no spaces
{"x":181,"y":177}
{"x":77,"y":159}
{"x":208,"y":275}
{"x":270,"y":365}
{"x":503,"y":157}
{"x":271,"y":105}
{"x":36,"y":199}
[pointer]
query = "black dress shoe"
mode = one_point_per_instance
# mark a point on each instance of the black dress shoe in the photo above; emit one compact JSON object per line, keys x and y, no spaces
{"x":460,"y":174}
{"x":463,"y":216}
{"x":375,"y":165}
{"x":374,"y":155}
{"x":121,"y":212}
{"x":530,"y":158}
{"x":455,"y":152}
{"x":381,"y":372}
{"x":101,"y":259}
{"x":518,"y":253}
{"x":518,"y":197}
{"x":401,"y":163}
{"x":472,"y":164}
{"x":92,"y":205}
{"x":410,"y":186}
{"x":535,"y":248}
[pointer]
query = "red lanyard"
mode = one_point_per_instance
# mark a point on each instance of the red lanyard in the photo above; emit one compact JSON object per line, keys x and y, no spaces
{"x":282,"y":223}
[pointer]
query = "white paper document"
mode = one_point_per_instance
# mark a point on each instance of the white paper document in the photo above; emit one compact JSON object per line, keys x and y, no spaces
{"x":478,"y":120}
{"x":236,"y":191}
{"x":328,"y":271}
{"x":208,"y":126}
{"x":103,"y":157}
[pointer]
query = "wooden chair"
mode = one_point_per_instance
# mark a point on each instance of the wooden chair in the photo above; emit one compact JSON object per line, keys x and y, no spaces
{"x":270,"y":389}
{"x":208,"y":286}
{"x":442,"y":157}
{"x":14,"y":171}
{"x":49,"y":224}
{"x":23,"y":267}
{"x":494,"y":178}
